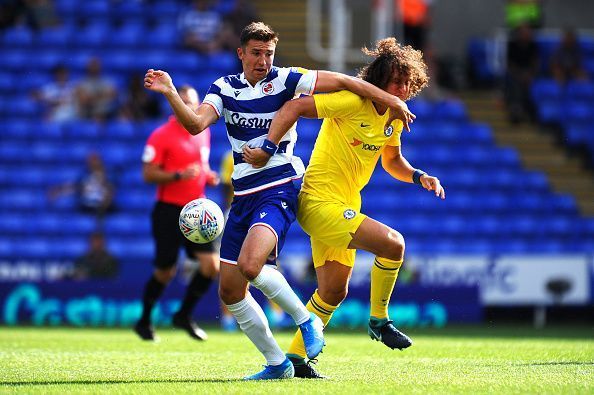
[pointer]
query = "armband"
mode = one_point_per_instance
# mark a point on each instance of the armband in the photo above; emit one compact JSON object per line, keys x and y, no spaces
{"x":269,"y":147}
{"x":416,"y":177}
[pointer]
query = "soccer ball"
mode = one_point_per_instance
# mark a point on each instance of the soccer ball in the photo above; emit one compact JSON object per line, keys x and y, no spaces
{"x":201,"y":221}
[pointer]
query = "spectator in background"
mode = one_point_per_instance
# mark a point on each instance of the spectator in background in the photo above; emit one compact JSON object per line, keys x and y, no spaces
{"x":41,"y":14}
{"x":523,"y":12}
{"x":10,"y":11}
{"x":95,"y":94}
{"x":97,"y":262}
{"x":523,"y":61}
{"x":178,"y":163}
{"x":35,"y":14}
{"x":94,"y":190}
{"x":566,"y":61}
{"x":242,"y":14}
{"x":201,"y":28}
{"x":139,"y":104}
{"x":415,"y":21}
{"x":57,"y":97}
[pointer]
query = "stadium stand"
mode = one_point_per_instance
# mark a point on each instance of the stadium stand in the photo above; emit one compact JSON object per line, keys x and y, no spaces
{"x":493,"y":204}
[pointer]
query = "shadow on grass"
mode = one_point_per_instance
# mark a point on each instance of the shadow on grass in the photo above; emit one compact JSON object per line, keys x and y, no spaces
{"x":102,"y":382}
{"x":504,"y":332}
{"x":552,"y":363}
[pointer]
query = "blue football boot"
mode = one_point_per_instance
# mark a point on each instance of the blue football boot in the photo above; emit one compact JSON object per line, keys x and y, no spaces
{"x":313,"y":336}
{"x":275,"y":372}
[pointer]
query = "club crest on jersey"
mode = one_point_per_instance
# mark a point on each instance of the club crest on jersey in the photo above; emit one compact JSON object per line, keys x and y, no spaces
{"x":388,"y":132}
{"x":268,"y":88}
{"x":349,"y":213}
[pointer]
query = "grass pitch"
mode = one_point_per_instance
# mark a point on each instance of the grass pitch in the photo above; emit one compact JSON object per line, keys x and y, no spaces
{"x":453,"y":360}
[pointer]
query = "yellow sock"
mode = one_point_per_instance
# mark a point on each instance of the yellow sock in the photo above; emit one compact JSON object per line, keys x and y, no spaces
{"x":383,"y":277}
{"x":320,"y":308}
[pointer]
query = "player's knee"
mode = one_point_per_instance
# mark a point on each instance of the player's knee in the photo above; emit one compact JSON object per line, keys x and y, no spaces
{"x":209,"y":268}
{"x":248,"y":269}
{"x":165,"y":275}
{"x":333,"y":295}
{"x":395,"y":246}
{"x":230,"y":295}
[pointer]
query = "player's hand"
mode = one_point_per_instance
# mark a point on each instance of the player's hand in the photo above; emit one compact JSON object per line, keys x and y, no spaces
{"x":158,"y":81}
{"x":212,"y":178}
{"x":256,"y":157}
{"x":400,"y":111}
{"x":433,"y":184}
{"x":190,"y":172}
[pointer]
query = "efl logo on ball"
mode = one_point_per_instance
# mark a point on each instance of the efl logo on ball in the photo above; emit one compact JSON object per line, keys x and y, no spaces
{"x":201,"y":221}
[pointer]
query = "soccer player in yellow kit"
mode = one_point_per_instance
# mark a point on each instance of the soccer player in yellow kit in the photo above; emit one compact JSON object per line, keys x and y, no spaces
{"x":353,"y":136}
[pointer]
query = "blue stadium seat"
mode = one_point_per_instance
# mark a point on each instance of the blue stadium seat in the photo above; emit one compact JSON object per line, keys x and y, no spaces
{"x":58,"y":37}
{"x":546,"y":89}
{"x":578,"y":110}
{"x":81,"y":129}
{"x":23,"y":106}
{"x":450,"y":109}
{"x":19,"y":36}
{"x":20,"y":128}
{"x":580,"y":90}
{"x":93,"y":35}
{"x":32,"y":248}
{"x":550,"y":111}
{"x":81,"y":223}
{"x":164,"y":36}
{"x":120,"y":130}
{"x":8,"y":84}
{"x":129,"y":35}
{"x":127,"y":225}
{"x":70,"y":247}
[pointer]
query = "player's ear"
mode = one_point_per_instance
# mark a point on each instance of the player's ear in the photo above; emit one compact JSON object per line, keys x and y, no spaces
{"x":240,"y":53}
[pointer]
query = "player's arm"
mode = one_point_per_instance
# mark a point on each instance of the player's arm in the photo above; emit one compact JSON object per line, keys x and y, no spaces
{"x":329,"y":81}
{"x":398,"y":167}
{"x":194,"y":122}
{"x":286,"y":117}
{"x":154,"y":174}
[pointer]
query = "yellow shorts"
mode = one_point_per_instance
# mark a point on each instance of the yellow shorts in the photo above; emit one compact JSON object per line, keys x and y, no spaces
{"x":329,"y":225}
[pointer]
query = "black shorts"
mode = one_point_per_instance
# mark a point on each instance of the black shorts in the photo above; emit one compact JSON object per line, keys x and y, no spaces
{"x":169,"y":238}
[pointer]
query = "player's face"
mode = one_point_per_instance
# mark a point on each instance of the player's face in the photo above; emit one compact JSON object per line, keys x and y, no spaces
{"x":256,"y":58}
{"x":399,"y":86}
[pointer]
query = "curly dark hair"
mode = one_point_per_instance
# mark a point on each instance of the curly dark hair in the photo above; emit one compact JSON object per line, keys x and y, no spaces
{"x":392,"y":58}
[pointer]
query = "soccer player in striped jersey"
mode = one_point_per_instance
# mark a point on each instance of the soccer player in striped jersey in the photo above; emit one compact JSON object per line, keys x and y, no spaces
{"x":353,"y":136}
{"x":265,"y":201}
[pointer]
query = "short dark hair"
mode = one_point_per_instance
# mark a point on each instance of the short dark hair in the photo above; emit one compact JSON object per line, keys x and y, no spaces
{"x":258,"y":31}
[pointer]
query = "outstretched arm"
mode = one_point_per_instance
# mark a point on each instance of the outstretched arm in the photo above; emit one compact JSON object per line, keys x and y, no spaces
{"x":398,"y":167}
{"x":288,"y":114}
{"x":329,"y":81}
{"x":194,"y":122}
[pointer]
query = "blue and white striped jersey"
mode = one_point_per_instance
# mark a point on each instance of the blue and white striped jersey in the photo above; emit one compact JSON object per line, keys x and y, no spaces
{"x":248,"y":112}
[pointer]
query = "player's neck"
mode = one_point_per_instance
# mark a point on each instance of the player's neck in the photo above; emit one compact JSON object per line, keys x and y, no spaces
{"x":380,"y":109}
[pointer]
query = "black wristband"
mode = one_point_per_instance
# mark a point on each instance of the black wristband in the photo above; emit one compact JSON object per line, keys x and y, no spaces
{"x":416,"y":177}
{"x":269,"y":147}
{"x":177,"y":176}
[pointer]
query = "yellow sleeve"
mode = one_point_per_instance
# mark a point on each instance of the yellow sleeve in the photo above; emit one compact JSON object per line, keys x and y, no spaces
{"x":394,"y":139}
{"x":339,"y":104}
{"x":226,"y":168}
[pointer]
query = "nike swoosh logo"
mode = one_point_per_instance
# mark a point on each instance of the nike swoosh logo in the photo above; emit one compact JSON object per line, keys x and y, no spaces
{"x":364,"y":125}
{"x":262,"y":215}
{"x":237,"y":93}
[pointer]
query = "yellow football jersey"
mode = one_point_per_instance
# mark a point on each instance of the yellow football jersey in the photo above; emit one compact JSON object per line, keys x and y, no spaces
{"x":350,"y":142}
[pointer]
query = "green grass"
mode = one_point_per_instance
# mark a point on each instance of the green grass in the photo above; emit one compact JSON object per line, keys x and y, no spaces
{"x":453,"y":360}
